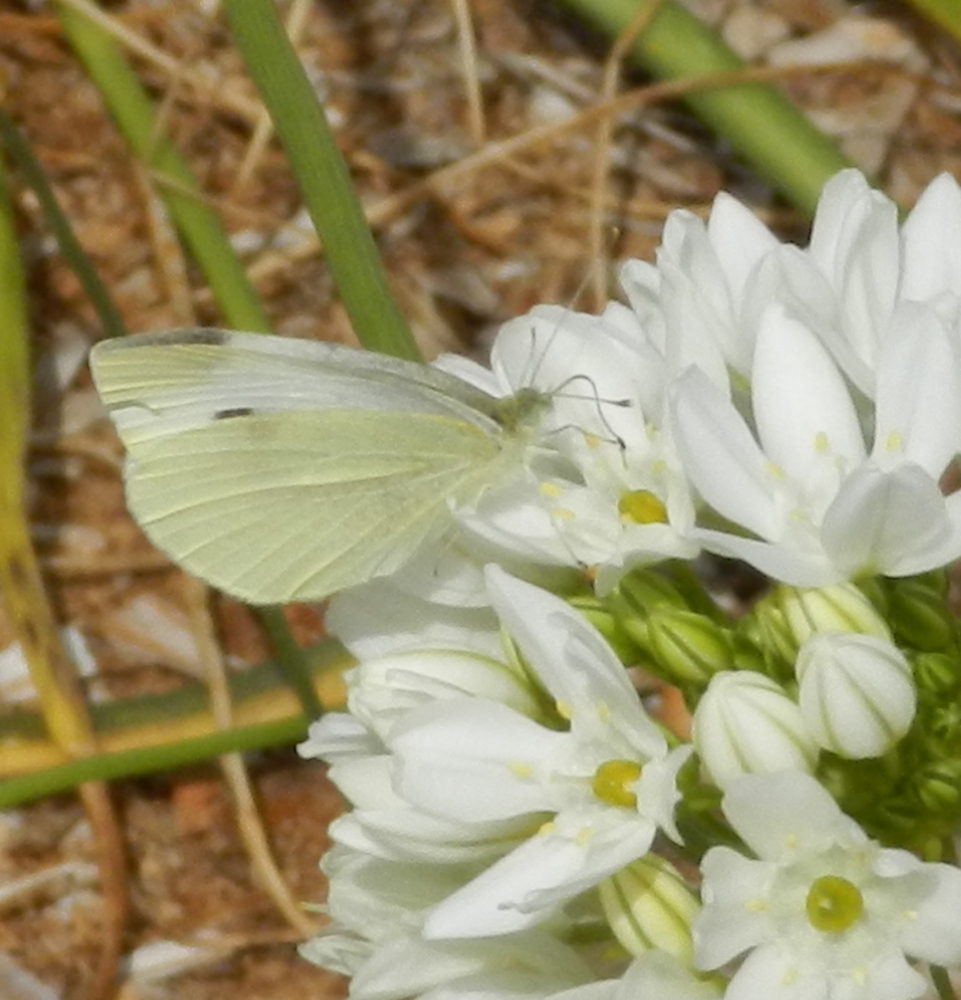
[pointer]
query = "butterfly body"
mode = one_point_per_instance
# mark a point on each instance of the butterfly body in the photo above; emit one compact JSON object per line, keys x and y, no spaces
{"x":282,"y":470}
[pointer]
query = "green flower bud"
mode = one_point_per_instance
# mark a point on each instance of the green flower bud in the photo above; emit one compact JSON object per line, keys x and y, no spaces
{"x":942,"y":725}
{"x":688,"y":647}
{"x":938,"y":787}
{"x":636,"y":596}
{"x":937,"y":674}
{"x":766,"y":627}
{"x":920,"y":615}
{"x":648,"y":905}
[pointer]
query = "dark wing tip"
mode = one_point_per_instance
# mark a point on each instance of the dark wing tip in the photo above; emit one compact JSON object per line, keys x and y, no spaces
{"x":194,"y":335}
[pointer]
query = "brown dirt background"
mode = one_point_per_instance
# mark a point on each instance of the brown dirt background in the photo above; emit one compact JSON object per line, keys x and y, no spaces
{"x":462,"y":257}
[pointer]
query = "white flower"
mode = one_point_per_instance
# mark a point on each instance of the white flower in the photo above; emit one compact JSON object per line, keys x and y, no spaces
{"x":383,"y":824}
{"x":845,"y":285}
{"x":824,"y":912}
{"x":746,"y":724}
{"x":377,"y":907}
{"x":856,"y":693}
{"x":858,"y":269}
{"x":412,"y":653}
{"x":698,"y":302}
{"x":800,"y":478}
{"x":598,"y":789}
{"x":603,"y":488}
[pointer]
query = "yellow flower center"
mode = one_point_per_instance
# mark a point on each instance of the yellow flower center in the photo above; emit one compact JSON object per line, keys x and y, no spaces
{"x":834,"y":904}
{"x":612,"y":780}
{"x":641,"y":507}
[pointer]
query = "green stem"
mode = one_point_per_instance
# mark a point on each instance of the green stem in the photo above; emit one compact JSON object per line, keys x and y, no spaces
{"x":291,"y":660}
{"x":149,"y":733}
{"x":942,"y":983}
{"x":946,"y":13}
{"x":760,"y":123}
{"x":20,"y":152}
{"x":322,"y":176}
{"x":148,"y":760}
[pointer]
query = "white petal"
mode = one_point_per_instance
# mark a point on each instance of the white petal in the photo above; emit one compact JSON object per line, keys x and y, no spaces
{"x":474,"y":761}
{"x":740,"y":240}
{"x":658,"y":974}
{"x":378,"y":619}
{"x":842,"y":205}
{"x":657,"y":791}
{"x":934,"y":932}
{"x":803,"y":409}
{"x":932,"y":257}
{"x":797,"y":566}
{"x":868,"y":280}
{"x":721,"y":456}
{"x":731,"y":921}
{"x":574,"y":357}
{"x":781,"y":815}
{"x":413,"y":836}
{"x":571,"y":659}
{"x":894,"y":523}
{"x":919,"y":394}
{"x":569,"y":855}
{"x":773,"y":973}
{"x":338,"y":735}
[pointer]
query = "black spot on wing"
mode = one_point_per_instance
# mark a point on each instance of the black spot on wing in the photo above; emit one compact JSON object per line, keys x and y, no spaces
{"x":234,"y":411}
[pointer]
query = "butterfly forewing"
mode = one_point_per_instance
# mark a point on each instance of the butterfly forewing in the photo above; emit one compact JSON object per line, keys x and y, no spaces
{"x":189,"y":377}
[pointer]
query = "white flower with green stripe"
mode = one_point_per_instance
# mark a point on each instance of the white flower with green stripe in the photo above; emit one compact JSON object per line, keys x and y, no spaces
{"x":595,"y":778}
{"x":823,"y":911}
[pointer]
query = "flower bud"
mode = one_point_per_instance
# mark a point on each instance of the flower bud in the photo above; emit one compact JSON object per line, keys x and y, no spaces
{"x":840,"y":608}
{"x":938,"y":786}
{"x":746,"y":724}
{"x":636,"y":596}
{"x":856,"y":693}
{"x":920,"y":614}
{"x":687,"y":646}
{"x":942,"y":725}
{"x":648,"y":905}
{"x":937,"y":674}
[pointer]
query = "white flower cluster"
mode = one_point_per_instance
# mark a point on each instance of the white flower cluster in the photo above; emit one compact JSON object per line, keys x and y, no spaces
{"x":520,"y":825}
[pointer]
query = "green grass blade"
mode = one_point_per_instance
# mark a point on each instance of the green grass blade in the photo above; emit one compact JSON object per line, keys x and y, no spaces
{"x":759,"y":122}
{"x":946,"y":13}
{"x":20,"y":152}
{"x":322,"y":176}
{"x":147,"y":734}
{"x":199,"y":226}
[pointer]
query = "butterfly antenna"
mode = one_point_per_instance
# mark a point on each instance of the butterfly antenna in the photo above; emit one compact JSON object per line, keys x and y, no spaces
{"x":599,"y":403}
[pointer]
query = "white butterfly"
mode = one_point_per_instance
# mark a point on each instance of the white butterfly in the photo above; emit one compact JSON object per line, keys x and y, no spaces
{"x":285,"y":470}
